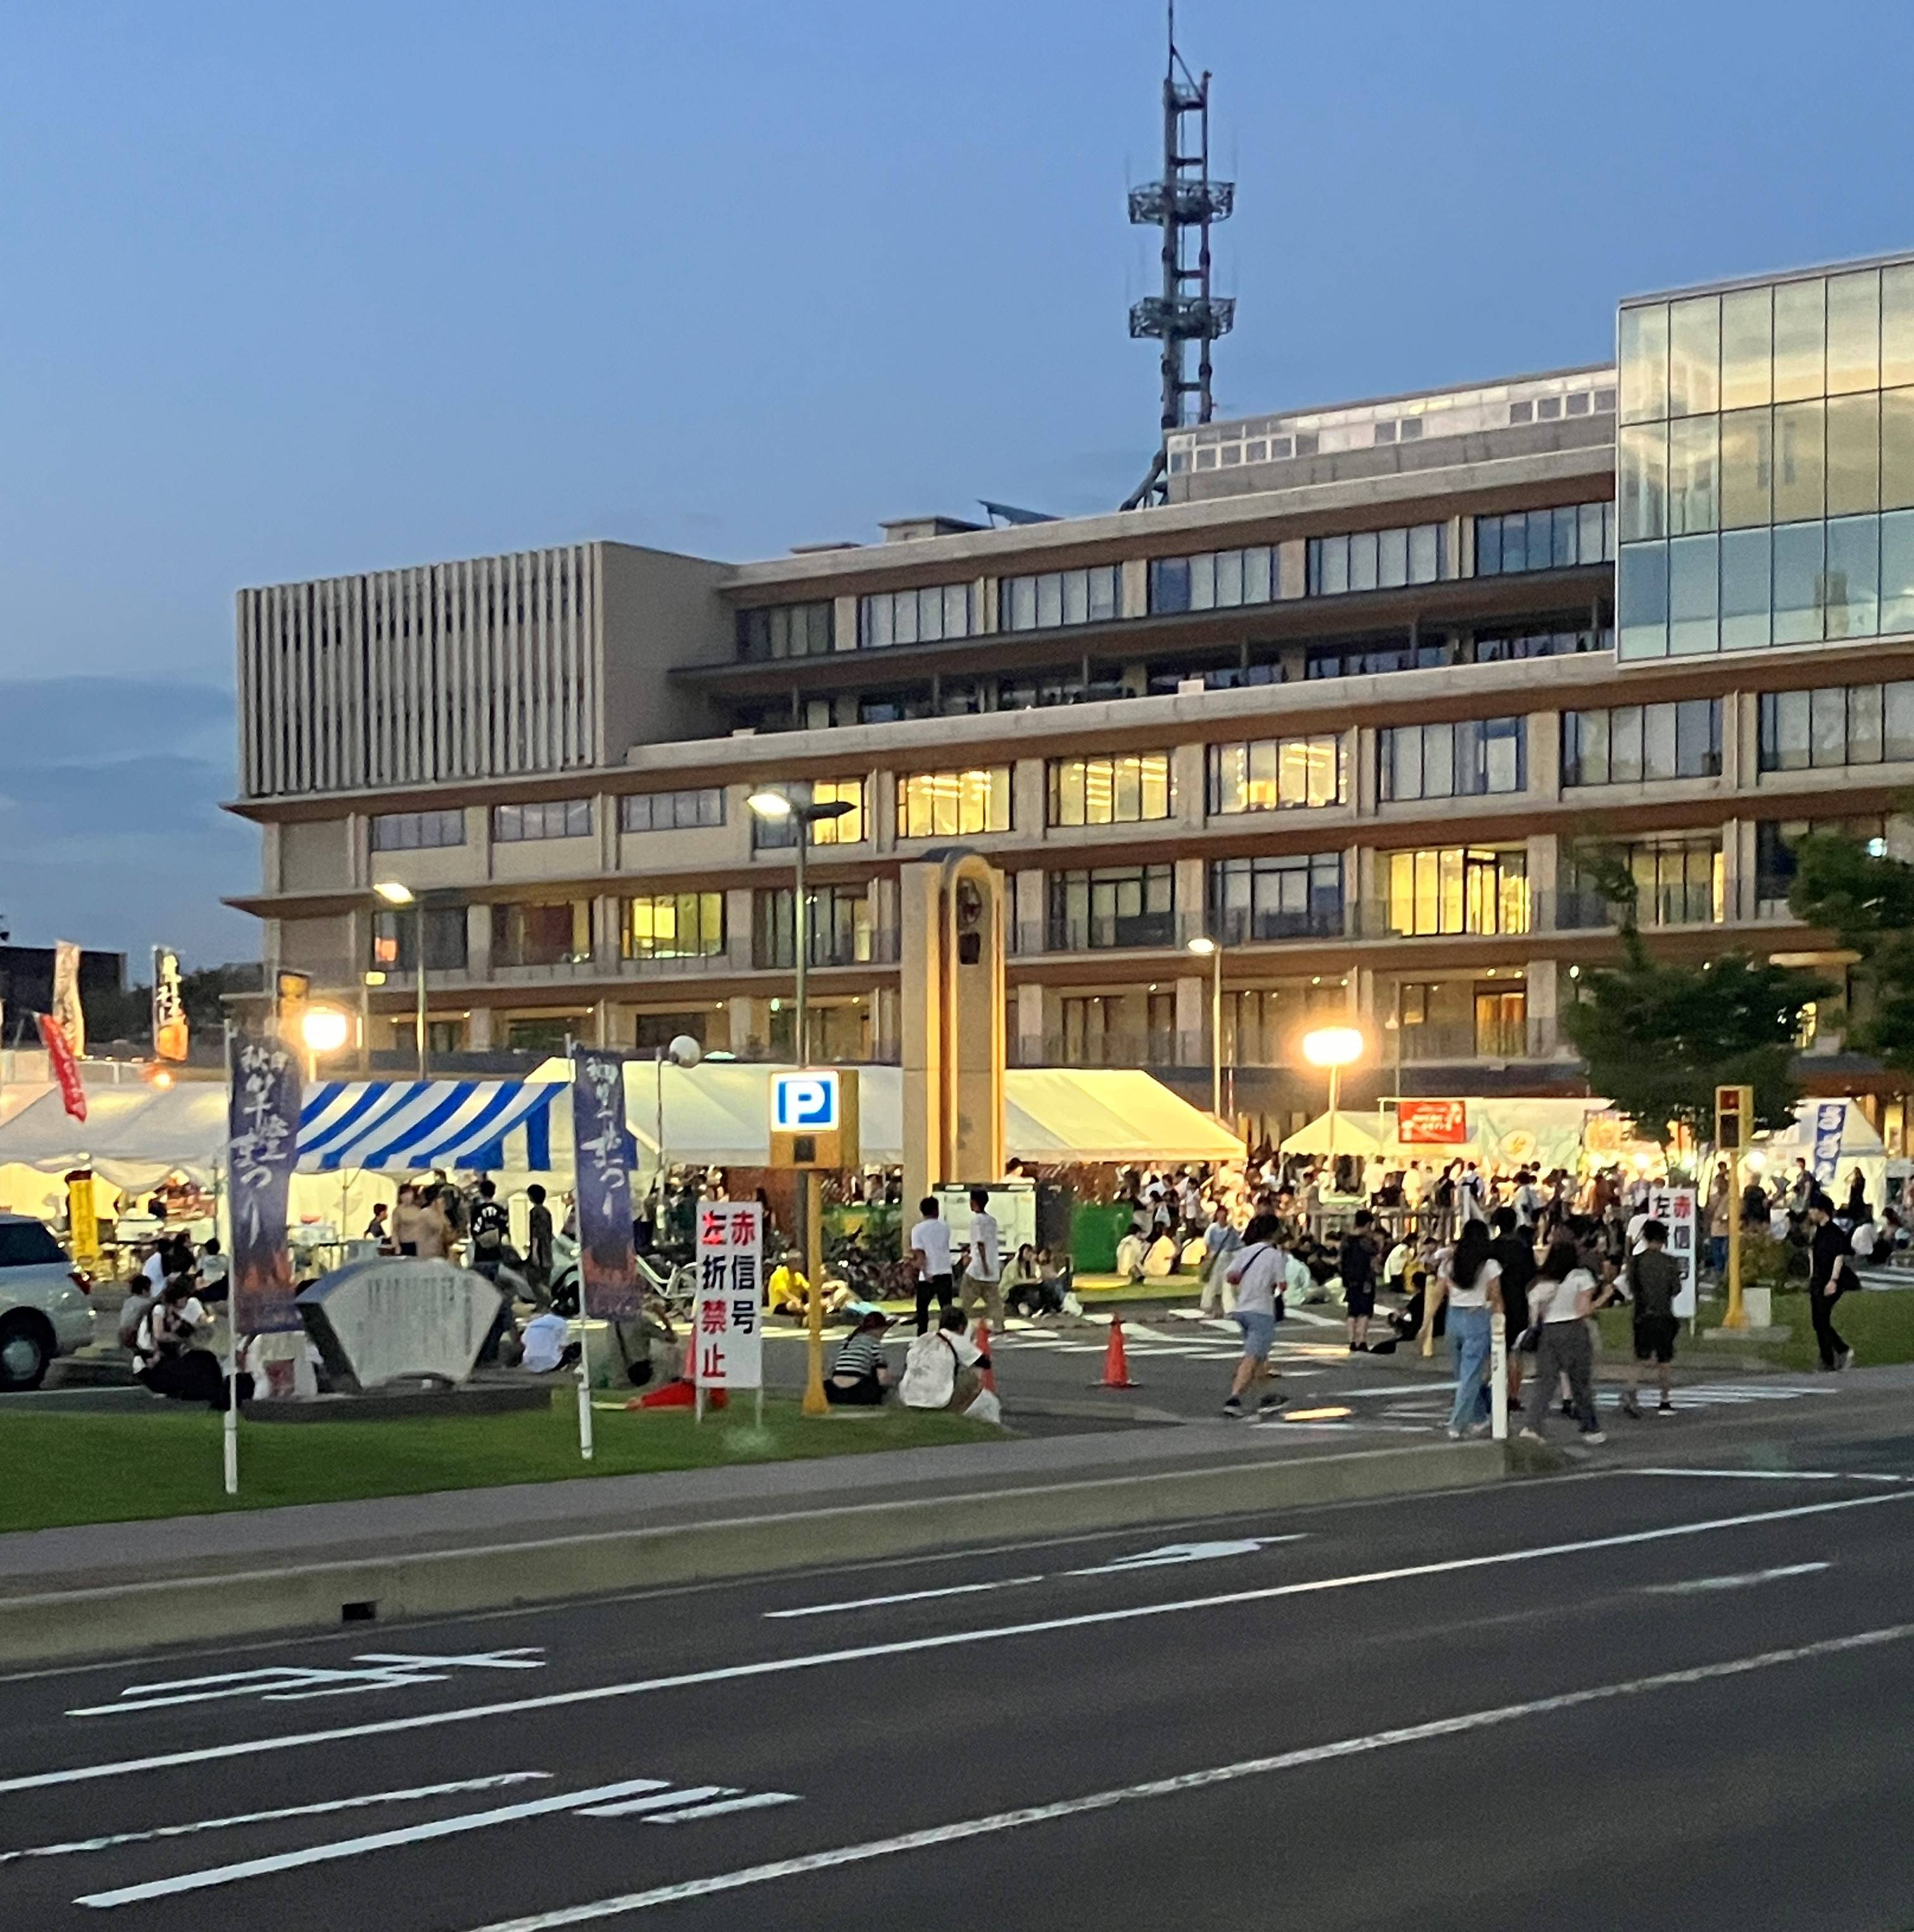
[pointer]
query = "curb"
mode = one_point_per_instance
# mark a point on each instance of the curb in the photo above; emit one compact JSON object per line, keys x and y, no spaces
{"x":120,"y":1619}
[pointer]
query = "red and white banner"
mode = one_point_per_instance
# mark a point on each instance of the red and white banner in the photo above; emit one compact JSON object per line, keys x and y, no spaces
{"x":66,"y":1068}
{"x":1432,"y":1123}
{"x":169,"y":1008}
{"x":727,"y":1334}
{"x":67,"y":1008}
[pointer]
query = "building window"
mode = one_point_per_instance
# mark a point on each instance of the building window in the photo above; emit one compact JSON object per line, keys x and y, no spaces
{"x":1557,"y":539}
{"x":395,"y":939}
{"x":893,"y":707}
{"x":1112,"y":906}
{"x":1378,"y":560}
{"x":1296,"y":895}
{"x":1775,"y":840}
{"x":1274,"y":774}
{"x":934,"y":614}
{"x":1851,"y":724}
{"x":552,"y":818}
{"x":1636,"y":744}
{"x":674,"y":925}
{"x":1220,"y":579}
{"x":1467,"y":759}
{"x":670,"y":810}
{"x":1677,"y":881}
{"x":542,"y":932}
{"x":1494,"y":648}
{"x":839,"y":930}
{"x":1060,"y":597}
{"x":784,"y":631}
{"x":944,"y":805}
{"x":1458,"y":889}
{"x":1111,"y":791}
{"x":1333,"y":660}
{"x":415,"y":831}
{"x":846,"y":829}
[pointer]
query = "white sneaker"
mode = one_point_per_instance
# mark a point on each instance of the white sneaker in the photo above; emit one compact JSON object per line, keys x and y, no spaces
{"x":1455,"y":1435}
{"x":1527,"y":1436}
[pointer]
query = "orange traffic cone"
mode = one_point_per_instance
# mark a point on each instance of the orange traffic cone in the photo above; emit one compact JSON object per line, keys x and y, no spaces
{"x":981,"y":1336}
{"x":1116,"y":1362}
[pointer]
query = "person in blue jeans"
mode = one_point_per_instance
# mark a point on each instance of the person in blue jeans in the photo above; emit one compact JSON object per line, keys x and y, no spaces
{"x":1470,"y":1281}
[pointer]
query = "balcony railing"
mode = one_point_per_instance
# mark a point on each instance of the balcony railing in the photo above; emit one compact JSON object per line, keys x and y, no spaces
{"x":1498,"y":1038}
{"x":674,"y":965}
{"x":875,"y":948}
{"x":567,"y":966}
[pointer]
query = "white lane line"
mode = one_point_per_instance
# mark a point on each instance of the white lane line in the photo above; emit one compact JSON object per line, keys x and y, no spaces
{"x":416,"y":1793}
{"x":902,"y":1597}
{"x":1746,"y":1580}
{"x":756,"y":1801}
{"x":657,"y":1801}
{"x":773,"y":1667}
{"x":1193,"y":1780}
{"x":1778,"y":1475}
{"x":374,"y":1841}
{"x":1185,"y":1552}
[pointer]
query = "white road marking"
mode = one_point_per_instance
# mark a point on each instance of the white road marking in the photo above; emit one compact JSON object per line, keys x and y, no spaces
{"x":657,"y":1801}
{"x":1184,"y":1553}
{"x":1779,"y":1475}
{"x":198,"y":1825}
{"x":903,"y":1596}
{"x":1188,"y":1781}
{"x":291,"y":1683}
{"x":774,"y":1667}
{"x":755,"y":1800}
{"x":1745,"y":1581}
{"x":375,"y":1841}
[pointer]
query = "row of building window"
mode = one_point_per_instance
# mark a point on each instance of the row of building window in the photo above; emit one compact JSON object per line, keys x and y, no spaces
{"x":1633,"y":744}
{"x":1053,"y":599}
{"x":1469,"y":759}
{"x":1558,"y":539}
{"x":1842,"y":724}
{"x":785,"y":631}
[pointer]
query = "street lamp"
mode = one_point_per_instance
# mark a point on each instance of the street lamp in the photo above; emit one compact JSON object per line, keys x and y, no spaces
{"x":1334,"y":1048}
{"x":323,"y":1030}
{"x":395,"y":894}
{"x":1204,"y":947}
{"x":774,"y":806}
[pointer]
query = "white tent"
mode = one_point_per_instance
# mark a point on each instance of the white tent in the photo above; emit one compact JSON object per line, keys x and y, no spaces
{"x":1852,"y":1138}
{"x":1358,"y":1132}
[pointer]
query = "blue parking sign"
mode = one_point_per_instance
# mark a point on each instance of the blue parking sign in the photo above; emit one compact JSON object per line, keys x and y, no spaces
{"x":806,"y":1102}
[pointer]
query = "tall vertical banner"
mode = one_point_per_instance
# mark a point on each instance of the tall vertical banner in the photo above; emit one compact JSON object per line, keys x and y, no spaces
{"x":262,"y":1144}
{"x":66,"y":1068}
{"x":602,"y":1148}
{"x":1830,"y":1130}
{"x":67,"y":1008}
{"x":169,"y":1008}
{"x":727,"y":1336}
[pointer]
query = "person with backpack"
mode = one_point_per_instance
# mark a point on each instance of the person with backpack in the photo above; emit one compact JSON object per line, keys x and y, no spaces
{"x":1653,"y":1278}
{"x":944,"y":1368}
{"x":491,"y":1226}
{"x":1559,"y":1299}
{"x":1830,"y":1275}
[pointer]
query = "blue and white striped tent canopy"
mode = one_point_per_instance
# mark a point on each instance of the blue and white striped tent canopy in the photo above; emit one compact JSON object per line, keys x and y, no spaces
{"x":406,"y":1127}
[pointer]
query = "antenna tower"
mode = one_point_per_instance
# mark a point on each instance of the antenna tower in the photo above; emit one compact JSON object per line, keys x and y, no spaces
{"x":1183,"y":204}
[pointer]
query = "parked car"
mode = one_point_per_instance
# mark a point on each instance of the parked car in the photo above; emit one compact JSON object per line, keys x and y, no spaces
{"x":44,"y":1308}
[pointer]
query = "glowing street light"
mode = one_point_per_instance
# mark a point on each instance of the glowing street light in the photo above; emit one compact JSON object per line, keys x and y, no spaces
{"x":326,"y":1029}
{"x":1334,"y":1048}
{"x":1204,"y":947}
{"x":395,"y":894}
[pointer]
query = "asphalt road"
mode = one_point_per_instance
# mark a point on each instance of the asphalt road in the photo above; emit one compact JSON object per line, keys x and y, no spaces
{"x":1612,"y":1699}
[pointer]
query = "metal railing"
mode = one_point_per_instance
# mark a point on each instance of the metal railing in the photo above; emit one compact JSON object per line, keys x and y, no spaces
{"x":877,"y":947}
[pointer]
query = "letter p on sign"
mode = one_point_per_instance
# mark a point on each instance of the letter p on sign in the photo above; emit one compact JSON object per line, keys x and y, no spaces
{"x":814,"y":1118}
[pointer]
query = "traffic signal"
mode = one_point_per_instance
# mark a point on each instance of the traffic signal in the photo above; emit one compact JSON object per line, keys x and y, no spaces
{"x":1734,"y":1118}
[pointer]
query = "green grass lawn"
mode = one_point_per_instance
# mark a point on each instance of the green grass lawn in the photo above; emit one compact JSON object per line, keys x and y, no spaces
{"x":1878,"y":1325}
{"x":83,"y":1468}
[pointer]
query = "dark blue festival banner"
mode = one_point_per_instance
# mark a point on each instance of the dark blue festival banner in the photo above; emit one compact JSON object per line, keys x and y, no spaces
{"x":602,"y":1148}
{"x":262,"y":1144}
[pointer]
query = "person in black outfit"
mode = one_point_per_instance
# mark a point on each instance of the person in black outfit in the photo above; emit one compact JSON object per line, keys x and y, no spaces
{"x":1830,"y":1273}
{"x":1356,"y":1264}
{"x":1516,"y":1251}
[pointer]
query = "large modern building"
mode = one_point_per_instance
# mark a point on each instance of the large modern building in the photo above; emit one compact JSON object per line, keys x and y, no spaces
{"x":1348,"y":703}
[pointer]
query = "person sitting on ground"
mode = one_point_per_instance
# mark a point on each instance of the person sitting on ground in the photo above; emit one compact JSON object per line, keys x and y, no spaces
{"x":860,"y":1376}
{"x":176,"y":1362}
{"x":545,"y":1344}
{"x":944,"y":1369}
{"x":212,"y":1271}
{"x":1131,"y":1251}
{"x":788,"y":1291}
{"x":1026,"y":1291}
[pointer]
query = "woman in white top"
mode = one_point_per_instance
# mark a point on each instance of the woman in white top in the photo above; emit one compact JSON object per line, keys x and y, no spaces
{"x":1559,"y":1302}
{"x":1469,"y":1278}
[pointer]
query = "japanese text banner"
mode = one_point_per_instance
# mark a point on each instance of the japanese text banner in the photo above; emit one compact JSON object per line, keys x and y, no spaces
{"x":727,"y":1334}
{"x":263,"y":1147}
{"x":607,"y":1265}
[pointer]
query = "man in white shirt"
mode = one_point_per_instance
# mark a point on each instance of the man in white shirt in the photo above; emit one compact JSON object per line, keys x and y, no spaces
{"x":983,"y":1271}
{"x":930,"y":1250}
{"x":545,"y":1339}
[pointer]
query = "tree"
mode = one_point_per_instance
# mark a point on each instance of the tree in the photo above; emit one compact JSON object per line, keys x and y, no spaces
{"x":1659,"y":1037}
{"x":1867,"y":900}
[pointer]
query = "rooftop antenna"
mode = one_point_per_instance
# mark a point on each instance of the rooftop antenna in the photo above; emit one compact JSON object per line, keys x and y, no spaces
{"x":1183,"y":204}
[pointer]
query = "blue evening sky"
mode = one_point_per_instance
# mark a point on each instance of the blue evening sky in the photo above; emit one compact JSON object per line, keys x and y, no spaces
{"x":294,"y":291}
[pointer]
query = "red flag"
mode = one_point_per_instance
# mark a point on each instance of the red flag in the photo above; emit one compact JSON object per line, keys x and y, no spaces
{"x":66,"y":1068}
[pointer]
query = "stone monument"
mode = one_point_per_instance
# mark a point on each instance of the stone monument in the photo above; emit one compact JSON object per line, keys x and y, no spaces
{"x":396,"y":1318}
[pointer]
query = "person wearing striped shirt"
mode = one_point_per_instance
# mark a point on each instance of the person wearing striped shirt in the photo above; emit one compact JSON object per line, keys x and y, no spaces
{"x":860,"y":1376}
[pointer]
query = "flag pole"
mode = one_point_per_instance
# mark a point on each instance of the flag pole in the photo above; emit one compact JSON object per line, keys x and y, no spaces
{"x":231,"y":1426}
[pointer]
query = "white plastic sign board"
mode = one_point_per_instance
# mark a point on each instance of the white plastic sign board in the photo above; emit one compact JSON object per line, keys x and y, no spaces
{"x":727,"y":1334}
{"x":1674,"y":1208}
{"x":1014,"y":1203}
{"x":806,"y":1102}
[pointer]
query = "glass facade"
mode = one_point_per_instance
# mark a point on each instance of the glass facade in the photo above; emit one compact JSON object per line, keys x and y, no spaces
{"x":1276,"y":774}
{"x":1467,"y":759}
{"x":1296,"y":895}
{"x":1112,"y":906}
{"x":1457,"y":889}
{"x":1558,"y":539}
{"x":674,"y":925}
{"x":838,"y":931}
{"x":416,"y":831}
{"x":1111,"y":791}
{"x":671,"y":811}
{"x":784,"y":631}
{"x":542,"y":932}
{"x":846,"y":829}
{"x":1060,"y":597}
{"x":1677,"y":882}
{"x":943,"y":805}
{"x":1765,"y":465}
{"x":553,"y":818}
{"x":1634,"y":744}
{"x":1841,"y":724}
{"x":932,"y":615}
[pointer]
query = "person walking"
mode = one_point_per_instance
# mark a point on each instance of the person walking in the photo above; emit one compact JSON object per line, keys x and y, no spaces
{"x":1356,"y":1264}
{"x":1514,"y":1249}
{"x":1559,"y":1299}
{"x":537,"y":1241}
{"x":1830,"y":1275}
{"x":1720,"y":1211}
{"x":1471,"y":1273}
{"x":1653,"y":1278}
{"x":1256,"y":1274}
{"x":1220,"y":1242}
{"x":983,"y":1266}
{"x":930,"y":1250}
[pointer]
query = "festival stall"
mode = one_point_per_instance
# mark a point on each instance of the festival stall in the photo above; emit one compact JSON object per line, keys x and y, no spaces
{"x":1834,"y":1137}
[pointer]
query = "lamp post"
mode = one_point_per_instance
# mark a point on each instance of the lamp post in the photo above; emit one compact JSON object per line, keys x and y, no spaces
{"x":323,"y":1030}
{"x":776,"y":808}
{"x":1334,"y":1048}
{"x":1204,"y":947}
{"x":395,"y":894}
